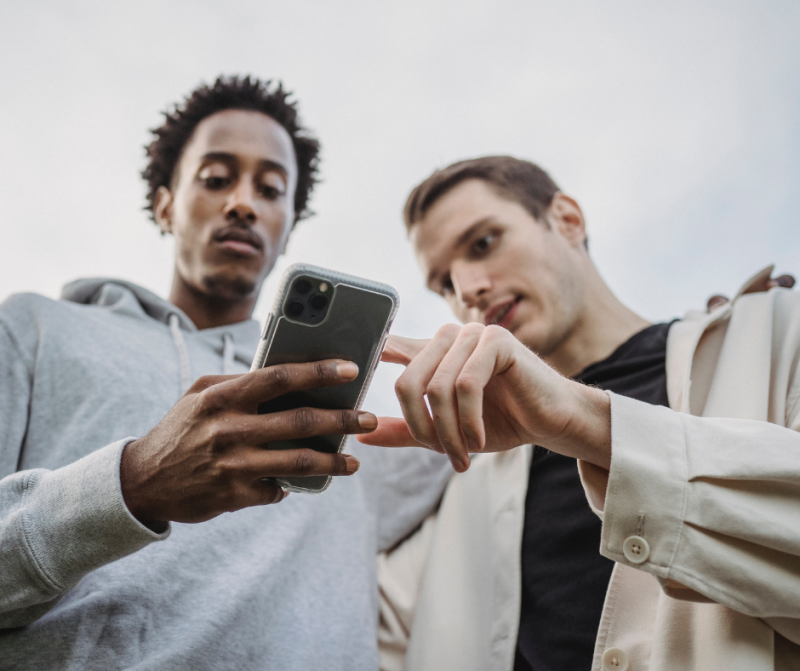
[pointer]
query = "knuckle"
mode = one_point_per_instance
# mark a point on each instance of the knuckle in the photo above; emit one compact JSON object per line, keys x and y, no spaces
{"x":402,"y":387}
{"x":304,"y":462}
{"x":347,"y":421}
{"x":493,"y":332}
{"x":449,"y":330}
{"x":436,"y":390}
{"x":321,"y":371}
{"x":473,"y":329}
{"x":304,"y":421}
{"x":338,"y":464}
{"x":211,"y":401}
{"x":466,"y":383}
{"x":279,"y":378}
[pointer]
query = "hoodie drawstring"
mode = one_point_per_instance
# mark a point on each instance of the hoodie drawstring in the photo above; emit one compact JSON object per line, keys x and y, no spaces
{"x":227,"y":354}
{"x":183,"y":353}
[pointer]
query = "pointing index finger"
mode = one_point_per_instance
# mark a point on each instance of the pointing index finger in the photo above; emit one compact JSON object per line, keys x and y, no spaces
{"x":402,"y":350}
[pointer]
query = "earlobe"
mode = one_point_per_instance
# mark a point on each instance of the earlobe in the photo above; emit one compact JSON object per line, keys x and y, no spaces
{"x":162,"y":209}
{"x":568,"y":216}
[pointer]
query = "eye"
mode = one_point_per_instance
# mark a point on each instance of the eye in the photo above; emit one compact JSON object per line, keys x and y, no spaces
{"x":216,"y":183}
{"x":484,"y":243}
{"x":269,"y":192}
{"x":215,"y":177}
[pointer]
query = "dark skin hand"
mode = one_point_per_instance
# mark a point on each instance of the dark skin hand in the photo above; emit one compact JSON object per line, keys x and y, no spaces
{"x":786,"y":281}
{"x":207,"y":456}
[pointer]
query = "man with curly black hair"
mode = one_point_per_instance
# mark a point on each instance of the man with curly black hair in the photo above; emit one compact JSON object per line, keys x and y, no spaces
{"x":111,"y":453}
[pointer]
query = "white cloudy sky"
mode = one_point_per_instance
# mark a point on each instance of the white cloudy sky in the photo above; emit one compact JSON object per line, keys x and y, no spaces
{"x":675,"y":125}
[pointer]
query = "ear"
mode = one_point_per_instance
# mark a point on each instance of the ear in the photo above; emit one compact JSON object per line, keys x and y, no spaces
{"x":566,"y":215}
{"x":162,"y":209}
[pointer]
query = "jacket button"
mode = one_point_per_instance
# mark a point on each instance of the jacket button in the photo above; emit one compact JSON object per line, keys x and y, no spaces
{"x":615,"y":659}
{"x":636,"y":549}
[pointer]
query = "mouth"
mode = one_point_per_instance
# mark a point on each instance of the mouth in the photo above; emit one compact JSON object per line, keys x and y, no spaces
{"x":240,"y":241}
{"x":502,"y":314}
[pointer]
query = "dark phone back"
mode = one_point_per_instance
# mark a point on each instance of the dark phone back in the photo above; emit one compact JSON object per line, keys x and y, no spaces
{"x":354,"y":327}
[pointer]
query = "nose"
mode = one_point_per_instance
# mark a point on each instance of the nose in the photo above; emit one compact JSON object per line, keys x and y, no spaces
{"x":470,"y":284}
{"x":241,"y":202}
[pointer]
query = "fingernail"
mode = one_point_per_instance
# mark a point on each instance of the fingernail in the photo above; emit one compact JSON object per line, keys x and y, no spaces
{"x":368,"y":421}
{"x":347,"y":369}
{"x":285,"y":494}
{"x":351,"y":464}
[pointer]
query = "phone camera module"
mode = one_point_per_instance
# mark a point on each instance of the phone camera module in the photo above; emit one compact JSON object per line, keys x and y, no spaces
{"x":318,"y":301}
{"x":302,"y":287}
{"x":295,"y":309}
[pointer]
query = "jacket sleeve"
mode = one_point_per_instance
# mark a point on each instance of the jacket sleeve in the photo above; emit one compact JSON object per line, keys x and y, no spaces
{"x":55,"y":526}
{"x":710,"y":507}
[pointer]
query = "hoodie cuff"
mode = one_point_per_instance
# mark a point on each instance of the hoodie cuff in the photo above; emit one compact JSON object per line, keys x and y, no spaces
{"x":75,"y":519}
{"x":644,"y":503}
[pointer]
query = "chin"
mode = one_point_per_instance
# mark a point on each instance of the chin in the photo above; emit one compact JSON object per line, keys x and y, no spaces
{"x":229,"y":288}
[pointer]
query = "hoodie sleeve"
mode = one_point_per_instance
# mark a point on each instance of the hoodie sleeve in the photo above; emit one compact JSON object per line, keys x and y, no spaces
{"x":55,"y":526}
{"x":412,"y":482}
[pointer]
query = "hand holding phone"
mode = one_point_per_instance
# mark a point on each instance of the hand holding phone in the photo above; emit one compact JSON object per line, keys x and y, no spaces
{"x":206,"y":457}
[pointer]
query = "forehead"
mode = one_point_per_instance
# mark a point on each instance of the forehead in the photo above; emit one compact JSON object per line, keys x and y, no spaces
{"x":437,"y":235}
{"x":246,"y":134}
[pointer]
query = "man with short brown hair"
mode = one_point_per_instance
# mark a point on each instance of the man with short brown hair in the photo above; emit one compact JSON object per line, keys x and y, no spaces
{"x":696,"y":516}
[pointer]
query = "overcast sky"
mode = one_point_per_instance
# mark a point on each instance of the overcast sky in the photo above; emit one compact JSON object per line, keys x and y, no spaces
{"x":675,"y":125}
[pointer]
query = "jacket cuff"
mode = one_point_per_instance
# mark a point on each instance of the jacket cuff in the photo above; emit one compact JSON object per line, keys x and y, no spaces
{"x":75,"y":519}
{"x":645,"y":500}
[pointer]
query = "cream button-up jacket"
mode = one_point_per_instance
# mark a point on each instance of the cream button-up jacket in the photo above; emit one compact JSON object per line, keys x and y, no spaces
{"x":700,"y":510}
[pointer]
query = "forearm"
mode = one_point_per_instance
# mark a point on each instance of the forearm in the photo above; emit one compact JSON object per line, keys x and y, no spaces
{"x":57,"y":526}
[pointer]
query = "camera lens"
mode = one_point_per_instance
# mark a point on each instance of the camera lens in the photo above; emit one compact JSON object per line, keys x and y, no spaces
{"x":295,"y":309}
{"x":302,"y":287}
{"x":318,"y":301}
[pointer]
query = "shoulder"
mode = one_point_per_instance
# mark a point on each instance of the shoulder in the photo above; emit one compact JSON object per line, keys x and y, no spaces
{"x":25,"y":317}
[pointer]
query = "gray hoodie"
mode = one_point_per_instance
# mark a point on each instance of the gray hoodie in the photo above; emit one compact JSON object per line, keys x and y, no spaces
{"x":83,"y":585}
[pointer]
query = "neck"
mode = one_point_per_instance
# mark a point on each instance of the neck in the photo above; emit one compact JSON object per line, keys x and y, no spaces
{"x":603,"y":325}
{"x":208,"y":311}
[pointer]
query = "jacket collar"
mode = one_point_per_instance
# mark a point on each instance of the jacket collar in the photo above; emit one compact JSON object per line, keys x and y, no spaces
{"x":685,"y":335}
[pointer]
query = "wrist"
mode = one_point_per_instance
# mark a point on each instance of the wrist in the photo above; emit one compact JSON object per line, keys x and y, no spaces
{"x":587,"y":434}
{"x":133,"y":494}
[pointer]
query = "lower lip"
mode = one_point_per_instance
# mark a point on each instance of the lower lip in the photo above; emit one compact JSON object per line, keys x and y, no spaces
{"x":239,"y":247}
{"x":509,"y":316}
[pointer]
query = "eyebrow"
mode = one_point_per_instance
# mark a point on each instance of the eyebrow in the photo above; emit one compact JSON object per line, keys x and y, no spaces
{"x":226,"y":157}
{"x":463,"y":239}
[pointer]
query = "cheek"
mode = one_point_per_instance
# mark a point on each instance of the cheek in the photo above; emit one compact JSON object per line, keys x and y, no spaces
{"x":277,"y":224}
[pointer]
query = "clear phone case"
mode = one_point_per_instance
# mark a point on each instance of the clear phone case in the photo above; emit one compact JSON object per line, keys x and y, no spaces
{"x":353,"y":325}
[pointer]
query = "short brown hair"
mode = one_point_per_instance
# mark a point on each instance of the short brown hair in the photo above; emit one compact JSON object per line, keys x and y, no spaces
{"x":520,"y":181}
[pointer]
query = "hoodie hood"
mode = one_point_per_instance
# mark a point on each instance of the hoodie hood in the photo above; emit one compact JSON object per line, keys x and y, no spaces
{"x":232,"y":341}
{"x":125,"y":298}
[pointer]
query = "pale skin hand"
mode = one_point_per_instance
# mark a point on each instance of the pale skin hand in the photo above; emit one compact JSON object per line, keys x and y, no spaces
{"x":489,"y":393}
{"x":207,"y":456}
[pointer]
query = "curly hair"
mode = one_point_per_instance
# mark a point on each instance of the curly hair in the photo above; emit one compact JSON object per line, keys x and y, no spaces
{"x":233,"y":92}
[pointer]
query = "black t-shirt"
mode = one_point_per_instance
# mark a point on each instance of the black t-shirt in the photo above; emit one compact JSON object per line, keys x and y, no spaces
{"x":564,"y":576}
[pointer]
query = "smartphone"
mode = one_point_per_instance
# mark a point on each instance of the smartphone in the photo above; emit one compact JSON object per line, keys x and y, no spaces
{"x":324,"y":314}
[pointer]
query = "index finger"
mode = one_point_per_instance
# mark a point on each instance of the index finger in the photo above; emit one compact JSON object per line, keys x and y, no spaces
{"x":402,"y":350}
{"x":250,"y":389}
